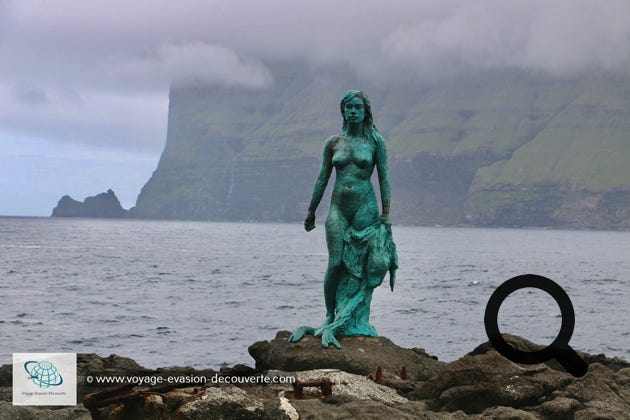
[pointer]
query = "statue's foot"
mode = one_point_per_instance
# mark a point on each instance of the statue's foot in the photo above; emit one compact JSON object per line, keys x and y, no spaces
{"x":328,"y":338}
{"x":301,"y":332}
{"x":329,"y":320}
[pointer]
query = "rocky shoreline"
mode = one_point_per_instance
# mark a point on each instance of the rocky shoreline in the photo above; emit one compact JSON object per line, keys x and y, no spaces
{"x":369,"y":377}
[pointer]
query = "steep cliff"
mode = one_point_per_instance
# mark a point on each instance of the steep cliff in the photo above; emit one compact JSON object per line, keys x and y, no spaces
{"x":501,"y":148}
{"x":573,"y":172}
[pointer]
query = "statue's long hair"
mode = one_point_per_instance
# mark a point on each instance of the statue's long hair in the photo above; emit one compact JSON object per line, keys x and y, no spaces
{"x":369,"y":129}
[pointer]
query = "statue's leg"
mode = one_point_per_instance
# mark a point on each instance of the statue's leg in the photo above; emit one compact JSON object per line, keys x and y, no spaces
{"x":366,"y":214}
{"x":331,"y":279}
{"x":336,"y":225}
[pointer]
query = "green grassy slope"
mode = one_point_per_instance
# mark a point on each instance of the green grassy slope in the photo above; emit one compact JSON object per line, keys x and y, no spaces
{"x":586,"y":145}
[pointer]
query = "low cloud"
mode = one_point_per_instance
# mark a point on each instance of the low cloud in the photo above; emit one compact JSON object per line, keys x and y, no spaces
{"x":555,"y":37}
{"x":210,"y":64}
{"x":70,"y":67}
{"x":104,"y":119}
{"x":30,"y":95}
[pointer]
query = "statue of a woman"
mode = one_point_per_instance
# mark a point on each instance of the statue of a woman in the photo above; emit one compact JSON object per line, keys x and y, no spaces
{"x":359,"y":240}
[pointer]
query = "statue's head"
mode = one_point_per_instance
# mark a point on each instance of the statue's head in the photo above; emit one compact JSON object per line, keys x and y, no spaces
{"x":368,"y":121}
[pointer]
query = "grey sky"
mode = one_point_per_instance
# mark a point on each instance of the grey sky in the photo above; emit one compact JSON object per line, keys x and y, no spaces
{"x":94,"y":75}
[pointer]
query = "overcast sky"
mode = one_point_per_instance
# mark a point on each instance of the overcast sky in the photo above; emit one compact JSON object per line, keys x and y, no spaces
{"x":84,"y":84}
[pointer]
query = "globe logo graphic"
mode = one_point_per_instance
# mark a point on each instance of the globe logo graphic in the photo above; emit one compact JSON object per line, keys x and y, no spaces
{"x":43,"y":374}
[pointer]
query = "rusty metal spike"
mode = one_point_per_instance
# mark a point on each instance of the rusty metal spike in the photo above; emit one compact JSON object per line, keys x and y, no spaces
{"x":379,"y":375}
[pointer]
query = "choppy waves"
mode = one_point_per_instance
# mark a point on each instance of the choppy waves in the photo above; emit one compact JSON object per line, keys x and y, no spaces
{"x":188,"y":293}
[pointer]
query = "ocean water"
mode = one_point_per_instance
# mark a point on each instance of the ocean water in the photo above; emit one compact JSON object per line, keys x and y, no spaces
{"x":169,"y":293}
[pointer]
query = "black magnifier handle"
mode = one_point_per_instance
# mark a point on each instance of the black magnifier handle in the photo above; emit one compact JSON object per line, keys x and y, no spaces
{"x":570,"y":360}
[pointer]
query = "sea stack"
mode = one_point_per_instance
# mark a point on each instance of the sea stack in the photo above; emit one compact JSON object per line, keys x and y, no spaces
{"x":103,"y":205}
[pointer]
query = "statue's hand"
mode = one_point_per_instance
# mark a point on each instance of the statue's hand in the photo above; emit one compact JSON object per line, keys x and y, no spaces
{"x":309,"y":221}
{"x":385,"y":220}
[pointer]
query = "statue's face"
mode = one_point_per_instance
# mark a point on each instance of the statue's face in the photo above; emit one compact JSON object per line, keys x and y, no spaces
{"x":354,"y":111}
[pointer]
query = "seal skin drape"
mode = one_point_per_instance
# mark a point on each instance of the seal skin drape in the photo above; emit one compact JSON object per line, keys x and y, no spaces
{"x":367,"y":256}
{"x":361,"y":249}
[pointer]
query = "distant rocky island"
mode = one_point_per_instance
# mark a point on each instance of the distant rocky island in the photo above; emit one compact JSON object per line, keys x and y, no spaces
{"x":491,"y":148}
{"x":104,"y":205}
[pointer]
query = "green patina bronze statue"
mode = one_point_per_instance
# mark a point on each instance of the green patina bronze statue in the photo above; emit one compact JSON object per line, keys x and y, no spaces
{"x":360,"y":245}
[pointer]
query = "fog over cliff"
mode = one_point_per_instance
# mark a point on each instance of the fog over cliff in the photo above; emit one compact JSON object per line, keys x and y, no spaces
{"x":71,"y":67}
{"x":98,"y":73}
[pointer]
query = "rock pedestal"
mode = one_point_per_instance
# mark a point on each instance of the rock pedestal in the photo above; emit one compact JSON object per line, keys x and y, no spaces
{"x":360,"y":355}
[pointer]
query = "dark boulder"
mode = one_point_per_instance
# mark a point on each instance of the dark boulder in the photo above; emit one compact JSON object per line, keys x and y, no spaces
{"x":484,"y":382}
{"x":475,"y":383}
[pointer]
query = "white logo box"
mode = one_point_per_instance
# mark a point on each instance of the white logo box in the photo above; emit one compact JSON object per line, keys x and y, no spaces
{"x":44,"y":378}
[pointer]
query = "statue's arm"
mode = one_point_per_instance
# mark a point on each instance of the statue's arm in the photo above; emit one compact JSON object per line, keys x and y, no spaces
{"x":384,"y":180}
{"x":320,"y":184}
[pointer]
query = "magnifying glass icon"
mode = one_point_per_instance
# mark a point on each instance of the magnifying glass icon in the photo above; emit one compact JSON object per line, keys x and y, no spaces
{"x":559,"y":349}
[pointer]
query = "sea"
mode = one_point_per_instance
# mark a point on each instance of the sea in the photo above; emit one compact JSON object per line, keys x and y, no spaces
{"x":180,"y":293}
